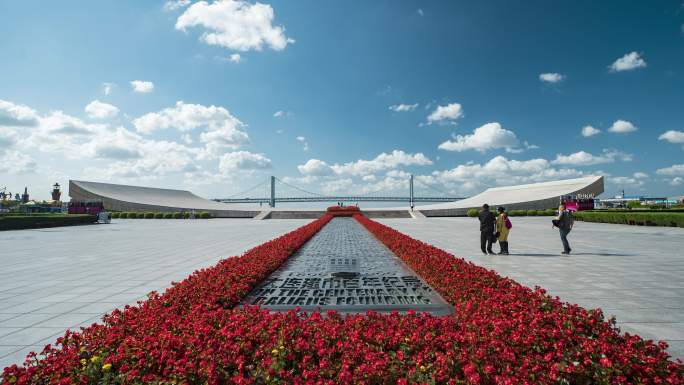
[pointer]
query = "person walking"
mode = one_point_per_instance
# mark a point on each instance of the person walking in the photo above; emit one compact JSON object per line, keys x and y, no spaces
{"x":564,"y":222}
{"x":487,"y":224}
{"x":503,"y":227}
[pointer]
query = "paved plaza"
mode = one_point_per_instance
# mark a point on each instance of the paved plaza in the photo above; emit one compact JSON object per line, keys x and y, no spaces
{"x":54,"y":279}
{"x":634,"y":273}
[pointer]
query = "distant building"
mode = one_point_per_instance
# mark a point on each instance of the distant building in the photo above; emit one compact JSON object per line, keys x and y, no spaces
{"x":25,"y":196}
{"x":56,"y":192}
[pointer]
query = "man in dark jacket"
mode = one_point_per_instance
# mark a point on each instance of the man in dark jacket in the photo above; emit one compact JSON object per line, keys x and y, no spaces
{"x":487,"y":225}
{"x":564,"y":222}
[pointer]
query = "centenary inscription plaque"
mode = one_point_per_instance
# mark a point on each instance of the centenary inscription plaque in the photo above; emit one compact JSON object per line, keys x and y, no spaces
{"x":345,"y":268}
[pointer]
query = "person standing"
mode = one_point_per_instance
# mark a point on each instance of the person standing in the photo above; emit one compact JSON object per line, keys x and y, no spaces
{"x":503,"y":227}
{"x":564,"y":222}
{"x":487,"y":224}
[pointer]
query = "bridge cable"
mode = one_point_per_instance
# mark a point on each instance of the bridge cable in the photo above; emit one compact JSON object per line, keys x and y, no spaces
{"x":299,"y":189}
{"x":248,"y":190}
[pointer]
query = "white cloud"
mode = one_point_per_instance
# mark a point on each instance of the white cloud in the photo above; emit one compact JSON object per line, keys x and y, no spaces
{"x":672,"y":136}
{"x":625,"y":181}
{"x":403,"y":107}
{"x":381,"y":162}
{"x":486,"y":137}
{"x":126,"y":153}
{"x":583,"y":158}
{"x":235,"y":58}
{"x":421,"y":13}
{"x":450,"y":112}
{"x":472,"y":177}
{"x":14,"y":162}
{"x":305,"y":144}
{"x":361,"y":167}
{"x":187,"y":117}
{"x":172,"y":5}
{"x":629,"y":61}
{"x":279,"y":114}
{"x":100,"y":110}
{"x":236,"y":25}
{"x":315,"y":167}
{"x":551,"y":77}
{"x":640,"y":175}
{"x":588,"y":131}
{"x":622,"y":127}
{"x":17,"y":115}
{"x":107,"y":88}
{"x":674,"y":170}
{"x":678,"y":180}
{"x":142,"y":86}
{"x":243,"y":161}
{"x":222,"y":131}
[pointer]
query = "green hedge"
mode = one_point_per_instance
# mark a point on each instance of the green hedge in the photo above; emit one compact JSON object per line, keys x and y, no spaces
{"x":161,"y":215}
{"x":473,"y":213}
{"x":40,"y":221}
{"x":522,"y":213}
{"x":674,"y":219}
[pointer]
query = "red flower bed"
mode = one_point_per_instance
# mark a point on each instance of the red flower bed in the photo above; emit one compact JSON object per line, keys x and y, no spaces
{"x":501,"y":333}
{"x":343,"y":211}
{"x":512,"y":334}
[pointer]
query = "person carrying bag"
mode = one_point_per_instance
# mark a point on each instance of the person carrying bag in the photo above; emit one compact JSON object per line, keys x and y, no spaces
{"x":564,"y":222}
{"x":503,"y":227}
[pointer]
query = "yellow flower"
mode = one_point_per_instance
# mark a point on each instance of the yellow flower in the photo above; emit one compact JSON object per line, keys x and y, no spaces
{"x":274,"y":351}
{"x":94,"y":359}
{"x":84,"y":362}
{"x":106,"y":367}
{"x":422,"y":368}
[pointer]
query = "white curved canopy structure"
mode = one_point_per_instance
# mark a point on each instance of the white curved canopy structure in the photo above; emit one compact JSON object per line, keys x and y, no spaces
{"x":533,"y":196}
{"x":120,"y":197}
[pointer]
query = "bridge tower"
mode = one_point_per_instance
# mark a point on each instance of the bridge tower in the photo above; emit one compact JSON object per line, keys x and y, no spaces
{"x":272,"y":202}
{"x":411,"y":191}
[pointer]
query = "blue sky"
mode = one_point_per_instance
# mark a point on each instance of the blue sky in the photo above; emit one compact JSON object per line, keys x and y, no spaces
{"x":346,"y":97}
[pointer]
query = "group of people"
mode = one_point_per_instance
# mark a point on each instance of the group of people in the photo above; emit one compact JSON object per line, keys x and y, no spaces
{"x":496,"y":227}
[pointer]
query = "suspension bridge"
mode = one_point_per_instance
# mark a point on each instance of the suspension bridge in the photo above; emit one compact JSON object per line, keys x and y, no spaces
{"x":287,"y":193}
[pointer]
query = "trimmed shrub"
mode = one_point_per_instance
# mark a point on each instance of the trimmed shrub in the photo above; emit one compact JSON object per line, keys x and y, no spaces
{"x":41,"y":221}
{"x":149,"y":215}
{"x":186,"y":215}
{"x":473,"y":213}
{"x":633,"y":204}
{"x":204,"y":215}
{"x":177,"y":216}
{"x":115,"y":215}
{"x":517,"y":213}
{"x":158,"y":215}
{"x":123,"y":215}
{"x":140,"y":215}
{"x":549,"y":212}
{"x":673,"y":219}
{"x":531,"y":213}
{"x":168,"y":215}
